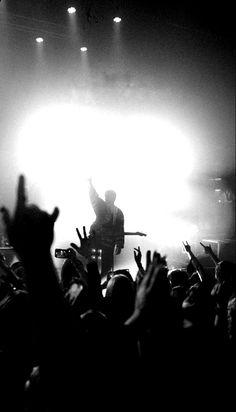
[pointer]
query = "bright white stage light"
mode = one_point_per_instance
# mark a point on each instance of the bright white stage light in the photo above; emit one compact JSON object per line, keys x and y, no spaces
{"x":71,"y":10}
{"x":171,"y":231}
{"x":132,"y":149}
{"x":117,"y":19}
{"x":147,"y":162}
{"x":83,"y":49}
{"x":39,"y":40}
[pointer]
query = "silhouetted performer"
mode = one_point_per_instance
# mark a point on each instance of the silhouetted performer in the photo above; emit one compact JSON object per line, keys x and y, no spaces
{"x":108,"y":227}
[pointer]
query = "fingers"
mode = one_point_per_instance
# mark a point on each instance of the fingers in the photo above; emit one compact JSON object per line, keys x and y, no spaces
{"x":84,"y":231}
{"x":185,"y":246}
{"x":21,"y":196}
{"x":148,"y":258}
{"x":55,"y":214}
{"x":79,"y":235}
{"x":75,"y":247}
{"x":156,"y":258}
{"x":150,"y":271}
{"x":154,"y":274}
{"x":6,"y":216}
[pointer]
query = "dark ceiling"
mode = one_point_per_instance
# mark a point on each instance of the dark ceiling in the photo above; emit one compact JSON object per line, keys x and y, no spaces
{"x":212,"y":17}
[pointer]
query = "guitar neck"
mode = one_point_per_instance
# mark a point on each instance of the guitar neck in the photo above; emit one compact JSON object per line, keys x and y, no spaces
{"x":135,"y":234}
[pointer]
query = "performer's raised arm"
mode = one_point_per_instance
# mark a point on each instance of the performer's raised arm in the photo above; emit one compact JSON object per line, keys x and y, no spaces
{"x":93,"y":195}
{"x":108,"y":226}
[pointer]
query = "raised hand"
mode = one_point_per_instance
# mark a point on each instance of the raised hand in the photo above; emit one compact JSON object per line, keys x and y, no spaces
{"x":146,"y":287}
{"x":138,"y":256}
{"x":73,"y":292}
{"x":85,"y":243}
{"x":138,"y":260}
{"x":29,"y":229}
{"x":118,"y":250}
{"x":80,"y":268}
{"x":187,"y":247}
{"x":207,"y":249}
{"x":143,"y":272}
{"x":148,"y":259}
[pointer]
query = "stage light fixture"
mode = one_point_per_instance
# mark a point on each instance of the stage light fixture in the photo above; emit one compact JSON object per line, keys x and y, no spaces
{"x":71,"y":10}
{"x":39,"y":40}
{"x":83,"y":49}
{"x":117,"y":19}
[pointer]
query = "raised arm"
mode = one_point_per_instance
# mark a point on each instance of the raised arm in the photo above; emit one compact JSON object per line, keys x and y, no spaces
{"x":197,"y":265}
{"x":146,"y":295}
{"x":138,"y":260}
{"x":208,"y":250}
{"x":8,"y":275}
{"x":93,"y":195}
{"x":29,"y":230}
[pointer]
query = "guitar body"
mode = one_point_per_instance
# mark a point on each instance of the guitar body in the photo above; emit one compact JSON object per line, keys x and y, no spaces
{"x":103,"y":250}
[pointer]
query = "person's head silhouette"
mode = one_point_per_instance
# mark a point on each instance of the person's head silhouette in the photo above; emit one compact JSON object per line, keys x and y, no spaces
{"x":110,"y":197}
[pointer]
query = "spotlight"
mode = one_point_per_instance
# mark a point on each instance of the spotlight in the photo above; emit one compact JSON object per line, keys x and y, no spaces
{"x":71,"y":10}
{"x":39,"y":40}
{"x":83,"y":49}
{"x":117,"y":19}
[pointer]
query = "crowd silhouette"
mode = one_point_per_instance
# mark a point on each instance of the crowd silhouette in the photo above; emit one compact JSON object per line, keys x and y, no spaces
{"x":163,"y":338}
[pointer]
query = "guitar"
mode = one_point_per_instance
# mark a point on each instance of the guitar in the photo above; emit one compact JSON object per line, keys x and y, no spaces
{"x":135,"y":234}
